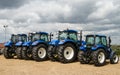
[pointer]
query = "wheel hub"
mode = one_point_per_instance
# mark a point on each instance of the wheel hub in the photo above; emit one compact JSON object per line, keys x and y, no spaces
{"x":101,"y":57}
{"x":68,"y":53}
{"x":115,"y":58}
{"x":42,"y":52}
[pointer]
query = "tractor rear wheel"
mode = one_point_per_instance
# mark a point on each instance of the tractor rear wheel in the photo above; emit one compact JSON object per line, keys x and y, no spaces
{"x":67,"y":53}
{"x":19,"y":52}
{"x":99,"y":57}
{"x":50,"y":53}
{"x":82,"y":58}
{"x":39,"y":52}
{"x":26,"y":54}
{"x":114,"y":59}
{"x":7,"y":53}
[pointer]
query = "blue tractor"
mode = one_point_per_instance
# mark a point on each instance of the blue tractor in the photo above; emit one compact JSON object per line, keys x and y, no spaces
{"x":66,"y":47}
{"x":21,"y":39}
{"x":97,"y":50}
{"x":10,"y":47}
{"x":40,"y":45}
{"x":27,"y":47}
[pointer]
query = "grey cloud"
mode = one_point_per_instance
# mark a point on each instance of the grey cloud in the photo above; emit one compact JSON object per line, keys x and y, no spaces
{"x":54,"y":15}
{"x":7,"y":4}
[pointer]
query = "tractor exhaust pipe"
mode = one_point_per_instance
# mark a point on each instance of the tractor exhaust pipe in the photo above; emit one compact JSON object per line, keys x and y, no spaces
{"x":80,"y":37}
{"x":51,"y":36}
{"x":109,"y":41}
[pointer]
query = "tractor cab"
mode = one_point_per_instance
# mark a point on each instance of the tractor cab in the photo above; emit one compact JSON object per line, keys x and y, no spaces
{"x":96,"y":40}
{"x":67,"y":34}
{"x":39,"y":37}
{"x":13,"y":40}
{"x":22,"y":37}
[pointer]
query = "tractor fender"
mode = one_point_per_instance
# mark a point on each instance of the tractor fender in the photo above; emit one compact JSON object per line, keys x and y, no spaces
{"x":54,"y":42}
{"x":19,"y":43}
{"x":27,"y":43}
{"x":65,"y":41}
{"x":96,"y":47}
{"x":8,"y":44}
{"x":38,"y":42}
{"x":112,"y":53}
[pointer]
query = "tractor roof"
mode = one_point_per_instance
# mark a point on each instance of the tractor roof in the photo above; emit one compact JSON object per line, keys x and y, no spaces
{"x":71,"y":31}
{"x":42,"y":33}
{"x":96,"y":35}
{"x":22,"y":34}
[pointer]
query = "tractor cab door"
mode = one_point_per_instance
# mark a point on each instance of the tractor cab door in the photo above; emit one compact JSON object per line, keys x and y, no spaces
{"x":44,"y":37}
{"x":14,"y":38}
{"x":73,"y":36}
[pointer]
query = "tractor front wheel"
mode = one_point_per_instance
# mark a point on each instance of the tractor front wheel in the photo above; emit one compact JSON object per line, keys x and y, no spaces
{"x":39,"y":52}
{"x":26,"y":53}
{"x":50,"y":53}
{"x":8,"y":53}
{"x":82,"y":58}
{"x":114,"y":59}
{"x":19,"y":52}
{"x":99,"y":57}
{"x":67,"y":53}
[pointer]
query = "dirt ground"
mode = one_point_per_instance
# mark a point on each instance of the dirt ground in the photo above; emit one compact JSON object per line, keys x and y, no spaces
{"x":30,"y":67}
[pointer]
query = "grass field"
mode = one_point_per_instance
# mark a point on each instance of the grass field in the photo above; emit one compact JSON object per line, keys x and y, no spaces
{"x":116,"y":48}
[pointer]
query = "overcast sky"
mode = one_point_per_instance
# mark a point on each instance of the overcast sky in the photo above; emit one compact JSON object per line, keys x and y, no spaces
{"x":91,"y":16}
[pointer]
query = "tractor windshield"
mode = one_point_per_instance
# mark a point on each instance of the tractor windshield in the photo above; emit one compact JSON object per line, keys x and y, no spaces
{"x":68,"y":35}
{"x":63,"y":35}
{"x":36,"y":37}
{"x":44,"y":37}
{"x":90,"y":40}
{"x":22,"y":38}
{"x":30,"y":36}
{"x":14,"y":38}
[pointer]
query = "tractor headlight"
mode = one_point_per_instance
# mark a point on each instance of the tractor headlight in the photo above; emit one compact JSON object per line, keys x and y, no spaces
{"x":85,"y":46}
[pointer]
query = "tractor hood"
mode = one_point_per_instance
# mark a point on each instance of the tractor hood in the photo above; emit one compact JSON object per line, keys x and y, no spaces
{"x":19,"y":43}
{"x":54,"y":42}
{"x":64,"y":41}
{"x":28,"y":43}
{"x":37,"y":42}
{"x":93,"y":48}
{"x":9,"y":43}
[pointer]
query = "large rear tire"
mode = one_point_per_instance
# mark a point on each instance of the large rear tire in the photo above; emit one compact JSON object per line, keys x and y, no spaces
{"x":7,"y":53}
{"x":26,"y":54}
{"x":50,"y":53}
{"x":99,"y":57}
{"x":67,"y":53}
{"x":40,"y":52}
{"x":114,"y":59}
{"x":19,"y":52}
{"x":82,"y":58}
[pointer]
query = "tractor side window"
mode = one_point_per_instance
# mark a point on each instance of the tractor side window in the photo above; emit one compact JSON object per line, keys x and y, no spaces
{"x":44,"y":37}
{"x":90,"y":40}
{"x":24,"y":38}
{"x":14,"y":38}
{"x":62,"y":35}
{"x":73,"y":36}
{"x":97,"y":40}
{"x":36,"y":37}
{"x":104,"y":41}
